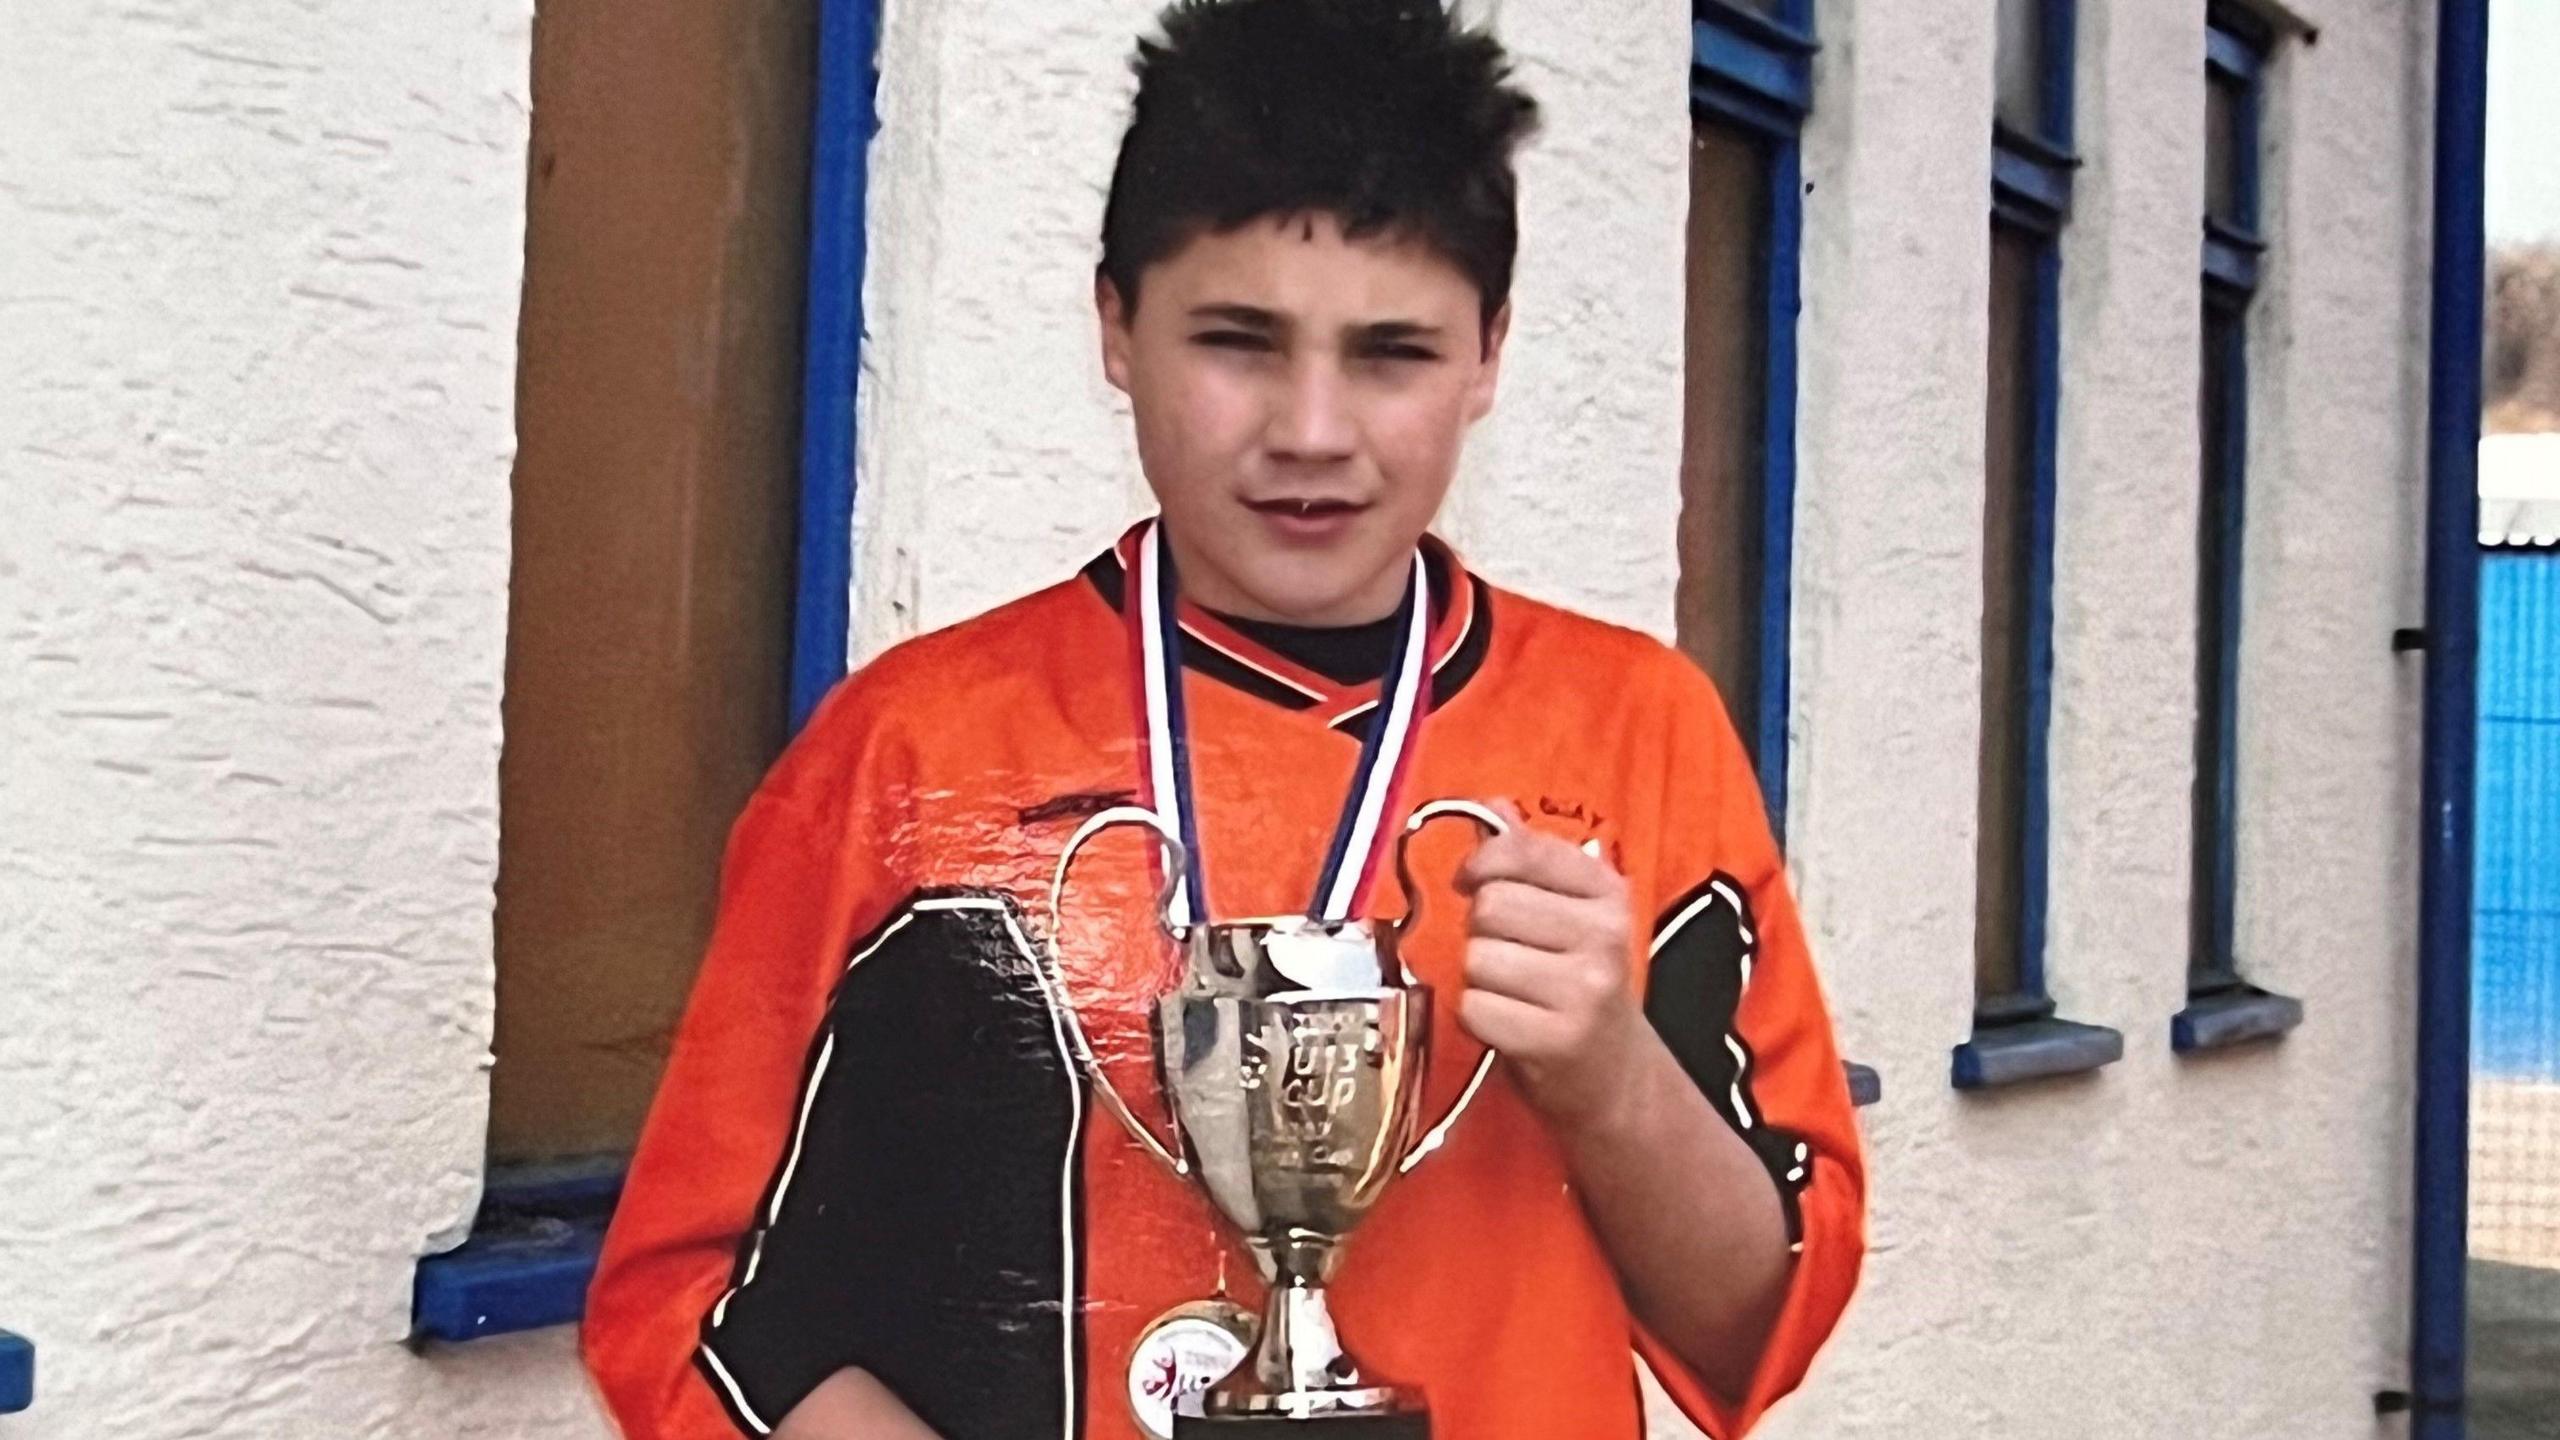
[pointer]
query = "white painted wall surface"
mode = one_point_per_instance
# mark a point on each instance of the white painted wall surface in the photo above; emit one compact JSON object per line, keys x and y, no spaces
{"x":2171,"y":1247}
{"x":259,"y":266}
{"x":257,"y":321}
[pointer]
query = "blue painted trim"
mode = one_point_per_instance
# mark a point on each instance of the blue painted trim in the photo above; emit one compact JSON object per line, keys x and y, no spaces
{"x":2045,"y":460}
{"x":2037,"y":1050}
{"x":2226,"y":51}
{"x":529,"y":1260}
{"x":1755,"y":72}
{"x":2230,"y":269}
{"x":2061,"y":61}
{"x":506,"y":1282}
{"x":2230,"y":521}
{"x":1866,"y":1087}
{"x":1783,"y":288}
{"x":2450,"y":742}
{"x":2218,"y":1022}
{"x":1731,"y":55}
{"x":17,"y":1373}
{"x":2241,"y":61}
{"x":2245,"y":25}
{"x":2029,"y":190}
{"x":839,"y":179}
{"x":1712,"y":100}
{"x":1790,"y":29}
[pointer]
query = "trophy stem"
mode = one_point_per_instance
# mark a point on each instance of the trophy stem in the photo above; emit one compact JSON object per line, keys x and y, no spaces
{"x":1300,"y":1351}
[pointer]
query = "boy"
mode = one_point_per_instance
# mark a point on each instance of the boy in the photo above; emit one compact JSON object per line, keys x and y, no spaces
{"x":874,"y":1198}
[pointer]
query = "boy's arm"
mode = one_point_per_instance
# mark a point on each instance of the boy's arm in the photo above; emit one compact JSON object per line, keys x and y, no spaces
{"x":851,"y":1405}
{"x":717,"y":1132}
{"x":1704,"y":1116}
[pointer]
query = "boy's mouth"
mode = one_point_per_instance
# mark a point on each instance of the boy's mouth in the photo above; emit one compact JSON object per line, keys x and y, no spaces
{"x":1305,"y":520}
{"x":1296,"y":509}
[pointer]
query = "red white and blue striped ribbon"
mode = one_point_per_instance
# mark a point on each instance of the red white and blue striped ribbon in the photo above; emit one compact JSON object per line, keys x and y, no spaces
{"x":1363,"y":837}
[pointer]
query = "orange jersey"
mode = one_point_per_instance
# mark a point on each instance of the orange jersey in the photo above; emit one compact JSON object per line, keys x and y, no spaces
{"x":873,"y":1149}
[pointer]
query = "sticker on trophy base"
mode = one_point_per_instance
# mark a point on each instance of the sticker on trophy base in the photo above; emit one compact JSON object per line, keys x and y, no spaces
{"x":1180,"y":1356}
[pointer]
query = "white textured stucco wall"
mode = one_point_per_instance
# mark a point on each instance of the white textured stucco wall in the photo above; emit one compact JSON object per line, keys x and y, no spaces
{"x":257,"y":315}
{"x":259,"y":265}
{"x":2171,"y":1247}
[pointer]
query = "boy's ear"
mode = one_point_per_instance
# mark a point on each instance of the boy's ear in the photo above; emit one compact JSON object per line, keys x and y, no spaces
{"x":1112,"y":313}
{"x":1489,"y":377}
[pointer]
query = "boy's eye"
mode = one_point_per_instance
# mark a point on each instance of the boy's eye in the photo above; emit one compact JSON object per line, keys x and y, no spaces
{"x":1399,"y":350}
{"x":1232,"y":340}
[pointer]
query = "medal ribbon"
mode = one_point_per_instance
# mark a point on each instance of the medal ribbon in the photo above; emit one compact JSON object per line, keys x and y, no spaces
{"x":1361,"y":838}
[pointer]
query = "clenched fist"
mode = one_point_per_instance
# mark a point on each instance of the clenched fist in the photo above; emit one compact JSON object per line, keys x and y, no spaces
{"x":1550,"y":953}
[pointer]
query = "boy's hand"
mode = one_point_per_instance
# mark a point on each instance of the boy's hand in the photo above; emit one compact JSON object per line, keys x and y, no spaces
{"x":1548,"y":963}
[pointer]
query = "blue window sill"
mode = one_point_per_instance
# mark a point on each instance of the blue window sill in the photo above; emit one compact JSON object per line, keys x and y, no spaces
{"x":1866,"y":1087}
{"x":532,"y":1252}
{"x":2234,"y":1017}
{"x":2034,"y":1050}
{"x":17,"y":1373}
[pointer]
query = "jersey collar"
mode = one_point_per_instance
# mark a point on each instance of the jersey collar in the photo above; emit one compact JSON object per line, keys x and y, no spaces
{"x":1461,"y":633}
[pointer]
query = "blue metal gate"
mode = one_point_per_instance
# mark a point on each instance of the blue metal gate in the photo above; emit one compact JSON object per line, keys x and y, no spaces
{"x":2515,"y":1011}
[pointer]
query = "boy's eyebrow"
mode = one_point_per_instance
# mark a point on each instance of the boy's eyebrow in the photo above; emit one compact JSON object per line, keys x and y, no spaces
{"x":1389,"y":331}
{"x":1249,"y":317}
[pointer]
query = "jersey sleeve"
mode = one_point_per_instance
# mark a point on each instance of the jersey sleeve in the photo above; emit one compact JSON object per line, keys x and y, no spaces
{"x":1731,"y":988}
{"x":798,"y":881}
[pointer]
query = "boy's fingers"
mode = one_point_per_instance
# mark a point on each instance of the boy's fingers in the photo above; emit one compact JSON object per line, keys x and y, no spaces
{"x":1543,"y":861}
{"x":1506,"y":1025}
{"x":1519,"y":972}
{"x":1542,"y":919}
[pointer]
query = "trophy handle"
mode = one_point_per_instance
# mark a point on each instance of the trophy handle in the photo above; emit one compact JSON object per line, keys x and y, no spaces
{"x":1423,"y":815}
{"x":1492,"y":824}
{"x":1176,"y":861}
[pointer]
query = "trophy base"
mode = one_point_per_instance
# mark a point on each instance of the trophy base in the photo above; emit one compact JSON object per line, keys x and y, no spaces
{"x":1401,"y":1425}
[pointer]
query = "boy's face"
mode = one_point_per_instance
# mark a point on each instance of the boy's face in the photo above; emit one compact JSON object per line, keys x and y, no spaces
{"x":1301,"y":399}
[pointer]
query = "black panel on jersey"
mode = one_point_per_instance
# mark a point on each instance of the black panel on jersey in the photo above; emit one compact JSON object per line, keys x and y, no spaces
{"x":1691,"y":993}
{"x":922,"y":1226}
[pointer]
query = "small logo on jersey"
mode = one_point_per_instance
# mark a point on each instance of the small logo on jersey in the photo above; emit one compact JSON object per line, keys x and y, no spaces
{"x":1178,"y":1359}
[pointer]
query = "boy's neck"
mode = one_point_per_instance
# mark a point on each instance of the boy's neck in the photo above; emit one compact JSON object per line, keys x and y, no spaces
{"x":1203,"y":585}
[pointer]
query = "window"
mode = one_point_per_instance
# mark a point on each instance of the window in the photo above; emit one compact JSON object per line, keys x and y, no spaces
{"x":2223,"y":1008}
{"x":681,"y":528}
{"x":1751,"y":86}
{"x":2016,"y":1036}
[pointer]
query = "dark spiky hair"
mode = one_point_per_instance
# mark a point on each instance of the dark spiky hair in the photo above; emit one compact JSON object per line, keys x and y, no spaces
{"x":1385,"y":114}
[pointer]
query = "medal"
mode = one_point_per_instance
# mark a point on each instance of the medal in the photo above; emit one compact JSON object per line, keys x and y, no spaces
{"x":1180,"y":1355}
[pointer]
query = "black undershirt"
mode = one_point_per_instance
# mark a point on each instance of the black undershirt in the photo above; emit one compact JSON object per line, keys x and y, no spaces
{"x":1343,"y":654}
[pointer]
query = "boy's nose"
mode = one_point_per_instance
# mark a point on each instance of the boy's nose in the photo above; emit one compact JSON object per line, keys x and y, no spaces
{"x":1313,"y":419}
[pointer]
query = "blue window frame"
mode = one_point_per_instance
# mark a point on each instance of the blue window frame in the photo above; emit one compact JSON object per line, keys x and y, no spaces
{"x":1750,"y":90}
{"x":540,"y":1228}
{"x":2223,"y":1008}
{"x":839,"y":181}
{"x":2016,"y":1035}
